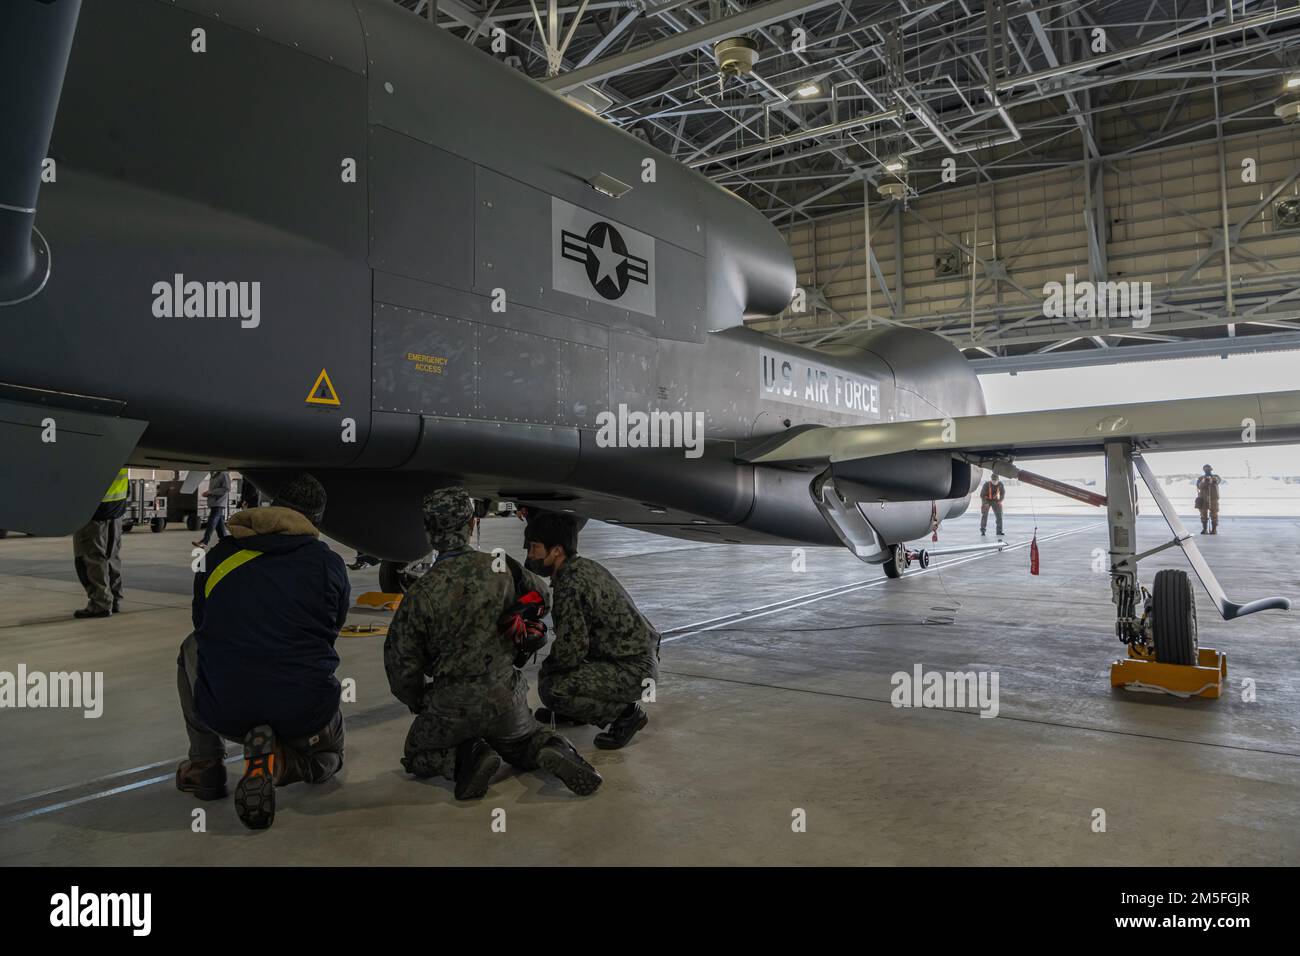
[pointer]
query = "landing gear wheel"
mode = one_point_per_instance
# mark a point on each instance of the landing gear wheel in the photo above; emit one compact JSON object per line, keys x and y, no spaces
{"x":127,"y":526}
{"x":157,"y":524}
{"x":923,"y":558}
{"x":1173,"y":618}
{"x":192,"y":522}
{"x":896,"y":561}
{"x":390,"y":580}
{"x":397,"y":577}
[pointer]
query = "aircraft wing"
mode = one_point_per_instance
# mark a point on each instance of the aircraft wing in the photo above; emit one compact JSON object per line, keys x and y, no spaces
{"x":1268,"y":418}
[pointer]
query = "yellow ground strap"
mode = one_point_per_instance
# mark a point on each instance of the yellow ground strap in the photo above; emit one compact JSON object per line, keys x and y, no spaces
{"x":226,"y":566}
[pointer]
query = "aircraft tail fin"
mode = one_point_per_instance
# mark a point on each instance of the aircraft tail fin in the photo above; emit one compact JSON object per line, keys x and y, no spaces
{"x":35,"y":41}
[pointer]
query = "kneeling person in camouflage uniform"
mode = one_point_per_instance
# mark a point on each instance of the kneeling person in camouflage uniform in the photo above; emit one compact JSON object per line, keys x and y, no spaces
{"x":474,"y":709}
{"x":604,"y":652}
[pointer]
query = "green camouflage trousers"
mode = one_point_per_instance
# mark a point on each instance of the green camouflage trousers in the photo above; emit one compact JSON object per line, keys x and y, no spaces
{"x":594,"y":692}
{"x":457,"y":712}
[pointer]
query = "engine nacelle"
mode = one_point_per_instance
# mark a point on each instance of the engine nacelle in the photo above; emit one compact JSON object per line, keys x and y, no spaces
{"x":907,"y":476}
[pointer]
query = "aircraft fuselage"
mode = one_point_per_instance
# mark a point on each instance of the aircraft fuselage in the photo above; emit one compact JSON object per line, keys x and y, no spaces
{"x":338,"y":238}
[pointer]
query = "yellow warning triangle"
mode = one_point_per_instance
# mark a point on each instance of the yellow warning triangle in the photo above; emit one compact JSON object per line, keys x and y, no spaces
{"x":322,"y":393}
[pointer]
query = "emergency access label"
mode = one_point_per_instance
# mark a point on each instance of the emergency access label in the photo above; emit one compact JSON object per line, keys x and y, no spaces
{"x":429,"y":364}
{"x":786,"y":378}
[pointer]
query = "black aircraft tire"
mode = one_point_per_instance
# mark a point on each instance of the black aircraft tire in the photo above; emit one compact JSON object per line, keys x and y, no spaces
{"x":157,"y":524}
{"x":390,"y":577}
{"x":1173,"y":618}
{"x":192,"y":522}
{"x":894,"y":563}
{"x":127,"y":526}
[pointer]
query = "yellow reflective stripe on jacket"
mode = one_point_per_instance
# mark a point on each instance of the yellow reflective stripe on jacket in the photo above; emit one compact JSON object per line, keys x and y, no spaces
{"x":117,"y":491}
{"x":226,"y":566}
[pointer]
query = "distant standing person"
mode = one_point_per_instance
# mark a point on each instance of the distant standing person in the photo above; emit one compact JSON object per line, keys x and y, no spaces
{"x":991,"y":496}
{"x":218,"y":496}
{"x":96,"y":550}
{"x":1207,"y":500}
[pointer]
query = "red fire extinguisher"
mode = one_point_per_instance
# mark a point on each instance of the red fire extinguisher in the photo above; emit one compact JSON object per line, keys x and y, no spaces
{"x":1033,"y":553}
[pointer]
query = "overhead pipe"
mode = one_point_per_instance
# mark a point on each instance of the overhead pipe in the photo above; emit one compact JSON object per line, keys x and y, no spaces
{"x":796,"y":137}
{"x":922,"y":112}
{"x":35,"y":42}
{"x":1155,"y":46}
{"x":1013,"y":135}
{"x":919,"y":110}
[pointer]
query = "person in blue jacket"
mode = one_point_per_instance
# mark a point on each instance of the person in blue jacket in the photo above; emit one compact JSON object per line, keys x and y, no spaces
{"x":259,"y":666}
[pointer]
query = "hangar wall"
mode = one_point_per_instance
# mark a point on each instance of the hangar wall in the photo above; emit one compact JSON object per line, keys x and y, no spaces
{"x":1163,"y":224}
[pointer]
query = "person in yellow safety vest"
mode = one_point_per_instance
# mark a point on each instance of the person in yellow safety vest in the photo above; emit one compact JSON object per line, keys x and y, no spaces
{"x":991,"y":496}
{"x":96,"y":548}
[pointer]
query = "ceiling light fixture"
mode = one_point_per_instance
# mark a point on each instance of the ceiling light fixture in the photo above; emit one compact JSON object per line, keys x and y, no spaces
{"x":808,"y":89}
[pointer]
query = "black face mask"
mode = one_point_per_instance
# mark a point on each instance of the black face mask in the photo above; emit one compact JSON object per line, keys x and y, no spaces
{"x":538,"y":566}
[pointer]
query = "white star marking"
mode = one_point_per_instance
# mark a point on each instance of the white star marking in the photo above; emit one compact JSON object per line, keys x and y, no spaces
{"x":609,"y":260}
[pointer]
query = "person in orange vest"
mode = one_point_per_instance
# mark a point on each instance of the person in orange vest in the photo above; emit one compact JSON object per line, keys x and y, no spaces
{"x":991,"y":496}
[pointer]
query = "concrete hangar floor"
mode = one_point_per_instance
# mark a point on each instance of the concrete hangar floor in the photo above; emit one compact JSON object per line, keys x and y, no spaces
{"x":759,"y":716}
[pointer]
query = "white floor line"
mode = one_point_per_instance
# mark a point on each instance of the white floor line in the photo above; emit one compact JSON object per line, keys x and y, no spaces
{"x":740,"y":617}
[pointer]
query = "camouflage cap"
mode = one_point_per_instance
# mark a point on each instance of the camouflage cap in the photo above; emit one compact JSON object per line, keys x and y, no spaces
{"x":447,"y":509}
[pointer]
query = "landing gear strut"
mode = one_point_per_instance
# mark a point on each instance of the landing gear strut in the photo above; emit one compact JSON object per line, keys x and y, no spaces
{"x":396,"y":577}
{"x":1161,"y":623}
{"x":1159,"y":626}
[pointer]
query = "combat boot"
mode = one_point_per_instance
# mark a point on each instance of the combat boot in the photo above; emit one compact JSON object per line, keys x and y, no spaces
{"x":476,"y":765}
{"x":206,"y":779}
{"x":558,"y":757}
{"x":622,"y":730}
{"x":255,"y":792}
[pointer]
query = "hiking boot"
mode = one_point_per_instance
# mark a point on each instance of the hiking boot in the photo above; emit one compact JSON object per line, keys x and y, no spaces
{"x":623,"y":729}
{"x":476,"y":764}
{"x":206,"y":779}
{"x":545,"y":715}
{"x":92,"y":612}
{"x":559,"y":758}
{"x":255,"y":792}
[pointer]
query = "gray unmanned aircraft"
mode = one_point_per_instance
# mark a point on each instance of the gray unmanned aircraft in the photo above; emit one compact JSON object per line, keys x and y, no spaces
{"x":324,"y":234}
